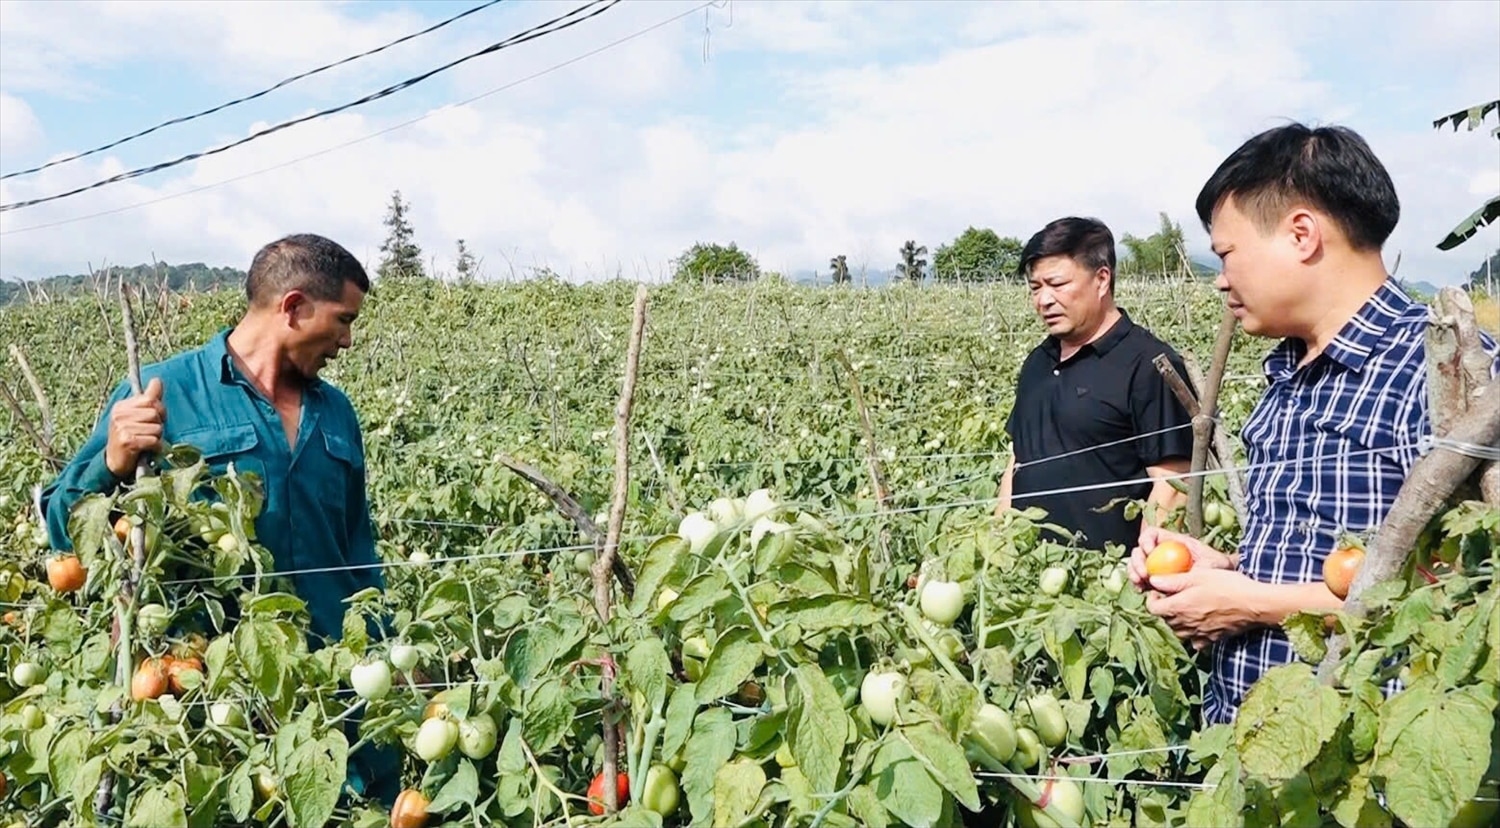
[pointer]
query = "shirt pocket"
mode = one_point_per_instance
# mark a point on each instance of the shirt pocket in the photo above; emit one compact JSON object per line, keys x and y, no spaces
{"x":223,"y":445}
{"x":341,"y":469}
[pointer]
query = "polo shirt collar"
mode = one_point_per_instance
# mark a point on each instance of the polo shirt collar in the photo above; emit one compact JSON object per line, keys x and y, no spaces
{"x":1112,"y":337}
{"x":217,"y":350}
{"x":1352,"y":345}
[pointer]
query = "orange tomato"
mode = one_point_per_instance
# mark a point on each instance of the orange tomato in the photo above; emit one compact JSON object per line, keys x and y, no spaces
{"x":122,"y":528}
{"x":1170,"y":557}
{"x":596,"y":792}
{"x":410,"y":810}
{"x":1340,"y":568}
{"x":65,"y":573}
{"x":150,"y":680}
{"x":175,"y":666}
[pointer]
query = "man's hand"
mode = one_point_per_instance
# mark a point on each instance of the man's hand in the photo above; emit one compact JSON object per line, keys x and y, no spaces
{"x":1205,"y":604}
{"x":135,"y":425}
{"x":1204,"y":556}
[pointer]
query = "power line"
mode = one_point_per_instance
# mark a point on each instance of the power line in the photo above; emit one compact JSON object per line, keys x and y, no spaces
{"x":557,"y":24}
{"x":261,"y":93}
{"x":371,"y":136}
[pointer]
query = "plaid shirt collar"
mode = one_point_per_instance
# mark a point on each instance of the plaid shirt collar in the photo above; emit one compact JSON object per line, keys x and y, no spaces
{"x":1352,"y":345}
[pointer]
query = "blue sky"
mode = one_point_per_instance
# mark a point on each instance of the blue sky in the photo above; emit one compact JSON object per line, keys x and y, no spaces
{"x":810,"y":128}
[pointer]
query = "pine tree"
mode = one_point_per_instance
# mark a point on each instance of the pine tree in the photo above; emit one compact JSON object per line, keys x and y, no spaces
{"x":402,"y":257}
{"x":466,"y":267}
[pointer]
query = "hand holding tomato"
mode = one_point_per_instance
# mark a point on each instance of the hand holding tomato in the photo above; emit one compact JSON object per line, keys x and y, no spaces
{"x":1205,"y":603}
{"x":1177,"y":553}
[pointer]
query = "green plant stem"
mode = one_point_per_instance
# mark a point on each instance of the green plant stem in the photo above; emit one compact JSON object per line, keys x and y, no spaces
{"x":909,"y":613}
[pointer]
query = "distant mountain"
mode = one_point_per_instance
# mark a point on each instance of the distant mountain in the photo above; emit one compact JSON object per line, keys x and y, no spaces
{"x":194,"y":276}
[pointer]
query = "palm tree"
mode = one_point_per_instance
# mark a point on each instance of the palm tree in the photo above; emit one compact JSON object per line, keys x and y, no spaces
{"x":840,"y":267}
{"x":912,"y":266}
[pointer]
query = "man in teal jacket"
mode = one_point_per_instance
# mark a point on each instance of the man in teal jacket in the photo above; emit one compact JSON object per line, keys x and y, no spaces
{"x":251,"y":396}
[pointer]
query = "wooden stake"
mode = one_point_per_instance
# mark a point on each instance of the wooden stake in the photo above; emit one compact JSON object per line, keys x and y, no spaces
{"x":37,"y":392}
{"x":574,"y":511}
{"x":603,"y":566}
{"x":1203,"y":424}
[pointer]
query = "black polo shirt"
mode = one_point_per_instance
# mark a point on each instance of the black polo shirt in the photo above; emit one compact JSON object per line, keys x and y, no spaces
{"x":1073,"y":424}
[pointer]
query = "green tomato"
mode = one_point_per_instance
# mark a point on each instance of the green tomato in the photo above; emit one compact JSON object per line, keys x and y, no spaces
{"x":419,"y":557}
{"x":881,"y":693}
{"x":153,"y":619}
{"x":1054,"y":580}
{"x":1047,"y":718}
{"x":1227,"y":518}
{"x":942,"y":601}
{"x":404,"y":657}
{"x":1066,"y":799}
{"x":27,"y":674}
{"x":950,"y":644}
{"x":993,"y":731}
{"x":477,"y":736}
{"x":583,"y":562}
{"x":371,"y":680}
{"x":228,"y":543}
{"x":1211,"y":513}
{"x":32,"y":717}
{"x":678,"y":761}
{"x":435,"y":738}
{"x":695,"y":652}
{"x":1029,"y":750}
{"x":661,"y":793}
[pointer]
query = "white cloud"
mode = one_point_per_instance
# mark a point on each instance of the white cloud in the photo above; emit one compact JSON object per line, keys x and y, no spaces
{"x":19,"y":129}
{"x":854,"y":145}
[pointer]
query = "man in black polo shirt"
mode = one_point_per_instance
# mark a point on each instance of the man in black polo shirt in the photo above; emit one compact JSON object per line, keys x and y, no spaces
{"x":1091,"y":408}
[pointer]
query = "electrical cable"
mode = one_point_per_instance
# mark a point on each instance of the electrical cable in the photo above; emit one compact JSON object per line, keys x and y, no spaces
{"x":268,"y":90}
{"x":534,"y":33}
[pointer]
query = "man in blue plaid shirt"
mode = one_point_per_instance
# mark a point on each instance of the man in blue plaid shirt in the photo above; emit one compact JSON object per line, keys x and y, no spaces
{"x":1298,"y":217}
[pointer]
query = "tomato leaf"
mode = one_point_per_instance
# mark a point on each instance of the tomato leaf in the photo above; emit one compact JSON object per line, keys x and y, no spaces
{"x":681,"y":709}
{"x":1433,"y":749}
{"x":707,"y":750}
{"x":954,"y":701}
{"x":462,"y":788}
{"x":1306,"y":633}
{"x":1286,"y":718}
{"x":241,"y":793}
{"x":1355,"y":805}
{"x":945,"y":760}
{"x":548,"y":715}
{"x":665,"y":560}
{"x":737,"y":788}
{"x":159,"y":806}
{"x":1457,"y":662}
{"x":826,"y":612}
{"x":1222,"y":799}
{"x":904,"y":786}
{"x":66,"y":755}
{"x":865,"y":805}
{"x":205,"y":791}
{"x":736,"y":655}
{"x":261,"y":647}
{"x":699,"y":596}
{"x":821,"y":728}
{"x":528,"y":653}
{"x":1297,"y":804}
{"x":314,"y":779}
{"x":647,"y":669}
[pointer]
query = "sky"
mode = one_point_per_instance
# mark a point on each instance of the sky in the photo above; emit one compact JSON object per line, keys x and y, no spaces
{"x":796,"y":130}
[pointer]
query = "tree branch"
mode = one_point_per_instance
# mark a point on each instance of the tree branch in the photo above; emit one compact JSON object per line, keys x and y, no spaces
{"x":1433,"y":480}
{"x":572,"y":510}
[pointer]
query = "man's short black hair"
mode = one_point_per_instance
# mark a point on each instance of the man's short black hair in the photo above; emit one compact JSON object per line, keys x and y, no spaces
{"x":1330,"y":169}
{"x":1087,"y":241}
{"x":307,"y":262}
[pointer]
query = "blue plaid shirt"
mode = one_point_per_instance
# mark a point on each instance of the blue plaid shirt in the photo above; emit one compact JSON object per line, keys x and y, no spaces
{"x":1328,"y":447}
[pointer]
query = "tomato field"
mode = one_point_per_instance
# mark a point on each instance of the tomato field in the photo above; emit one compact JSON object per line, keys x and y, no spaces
{"x":792,"y":650}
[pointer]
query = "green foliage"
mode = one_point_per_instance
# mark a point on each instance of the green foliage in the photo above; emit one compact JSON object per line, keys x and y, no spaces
{"x":195,"y":276}
{"x":913,"y":266}
{"x":401,"y":255}
{"x":1490,"y":210}
{"x":465,"y":267}
{"x":710,"y":263}
{"x":977,"y":256}
{"x":1158,"y":254}
{"x":839,"y":265}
